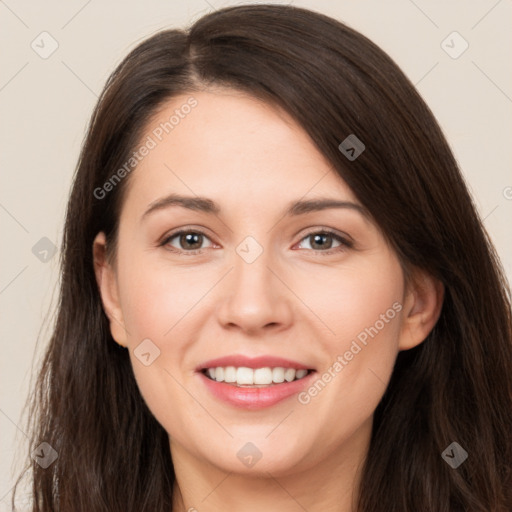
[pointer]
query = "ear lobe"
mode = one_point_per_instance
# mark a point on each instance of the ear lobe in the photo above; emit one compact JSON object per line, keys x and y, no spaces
{"x":423,"y":304}
{"x":107,"y":286}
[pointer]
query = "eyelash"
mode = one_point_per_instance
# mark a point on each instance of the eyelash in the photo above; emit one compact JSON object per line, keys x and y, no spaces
{"x":344,"y":243}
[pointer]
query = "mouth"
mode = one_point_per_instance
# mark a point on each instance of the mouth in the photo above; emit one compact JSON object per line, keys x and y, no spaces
{"x":243,"y":376}
{"x":254,"y":383}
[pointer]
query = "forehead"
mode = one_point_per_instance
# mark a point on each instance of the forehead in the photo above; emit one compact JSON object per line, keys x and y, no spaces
{"x":230,"y":145}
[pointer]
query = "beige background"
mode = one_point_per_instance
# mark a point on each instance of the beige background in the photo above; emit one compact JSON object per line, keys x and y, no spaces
{"x":46,"y":103}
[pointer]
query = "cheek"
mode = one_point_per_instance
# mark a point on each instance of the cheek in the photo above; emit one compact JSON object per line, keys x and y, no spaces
{"x":159,"y":302}
{"x":352,"y":298}
{"x":156,"y":304}
{"x":155,"y":297}
{"x":361,"y":308}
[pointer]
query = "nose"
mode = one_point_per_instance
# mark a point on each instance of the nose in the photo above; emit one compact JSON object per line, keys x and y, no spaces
{"x":254,"y":299}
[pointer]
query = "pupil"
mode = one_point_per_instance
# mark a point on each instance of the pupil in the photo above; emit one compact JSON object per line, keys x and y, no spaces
{"x":317,"y":237}
{"x":191,"y":239}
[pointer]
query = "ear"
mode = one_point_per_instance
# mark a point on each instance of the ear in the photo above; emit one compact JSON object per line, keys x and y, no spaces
{"x":422,"y":307}
{"x":107,"y":285}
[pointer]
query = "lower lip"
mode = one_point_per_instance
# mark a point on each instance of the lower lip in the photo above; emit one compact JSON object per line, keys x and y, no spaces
{"x":255,"y":398}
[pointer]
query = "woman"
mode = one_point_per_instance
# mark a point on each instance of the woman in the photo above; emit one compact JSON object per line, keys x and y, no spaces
{"x":276,"y":291}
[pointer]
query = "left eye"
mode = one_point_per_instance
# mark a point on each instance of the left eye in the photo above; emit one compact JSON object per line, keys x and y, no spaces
{"x":323,"y":241}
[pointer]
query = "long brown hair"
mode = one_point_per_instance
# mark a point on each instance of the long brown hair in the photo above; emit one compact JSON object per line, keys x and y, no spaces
{"x":455,"y":386}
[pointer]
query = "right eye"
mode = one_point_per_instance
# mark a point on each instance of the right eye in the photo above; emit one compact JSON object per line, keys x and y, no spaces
{"x":191,"y":241}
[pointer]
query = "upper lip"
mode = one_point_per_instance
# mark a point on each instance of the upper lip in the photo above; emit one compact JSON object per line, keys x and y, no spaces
{"x":252,"y":362}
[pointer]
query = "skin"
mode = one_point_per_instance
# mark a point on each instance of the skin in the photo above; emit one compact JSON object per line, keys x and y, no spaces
{"x":293,"y":301}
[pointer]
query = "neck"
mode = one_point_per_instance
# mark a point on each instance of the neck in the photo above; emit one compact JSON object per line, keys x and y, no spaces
{"x":330,"y":485}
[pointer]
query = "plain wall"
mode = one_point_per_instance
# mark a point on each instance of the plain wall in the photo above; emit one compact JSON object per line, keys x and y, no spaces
{"x":46,"y":103}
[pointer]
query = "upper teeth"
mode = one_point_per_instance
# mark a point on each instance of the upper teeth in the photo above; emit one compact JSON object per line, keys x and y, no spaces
{"x":248,"y":376}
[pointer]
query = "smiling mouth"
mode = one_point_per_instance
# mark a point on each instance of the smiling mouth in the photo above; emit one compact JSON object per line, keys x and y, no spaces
{"x":254,"y":378}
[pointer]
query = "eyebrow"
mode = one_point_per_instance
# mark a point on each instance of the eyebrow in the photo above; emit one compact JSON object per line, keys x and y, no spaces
{"x":206,"y":205}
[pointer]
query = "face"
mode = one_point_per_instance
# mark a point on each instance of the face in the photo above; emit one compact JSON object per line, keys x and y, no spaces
{"x":242,"y":256}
